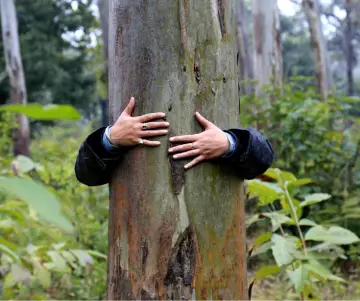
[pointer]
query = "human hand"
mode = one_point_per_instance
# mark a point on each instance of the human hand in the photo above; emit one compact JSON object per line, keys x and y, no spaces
{"x":129,"y":131}
{"x":209,"y":144}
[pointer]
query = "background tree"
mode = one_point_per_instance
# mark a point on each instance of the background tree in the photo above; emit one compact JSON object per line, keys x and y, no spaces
{"x":244,"y":47}
{"x":14,"y":67}
{"x":267,"y":43}
{"x":170,"y":233}
{"x":322,"y":65}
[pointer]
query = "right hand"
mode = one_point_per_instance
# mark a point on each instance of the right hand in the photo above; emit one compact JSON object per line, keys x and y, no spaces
{"x":129,"y":131}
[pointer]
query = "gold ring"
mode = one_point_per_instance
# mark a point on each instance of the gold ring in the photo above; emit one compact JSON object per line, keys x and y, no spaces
{"x":192,"y":145}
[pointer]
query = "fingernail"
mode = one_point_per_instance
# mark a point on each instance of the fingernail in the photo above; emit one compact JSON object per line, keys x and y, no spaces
{"x":167,"y":123}
{"x":170,"y":150}
{"x":186,"y":166}
{"x":171,"y":139}
{"x":175,"y":156}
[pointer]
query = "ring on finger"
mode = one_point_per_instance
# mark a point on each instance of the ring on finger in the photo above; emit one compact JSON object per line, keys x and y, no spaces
{"x":192,"y":146}
{"x":144,"y":127}
{"x":141,"y":141}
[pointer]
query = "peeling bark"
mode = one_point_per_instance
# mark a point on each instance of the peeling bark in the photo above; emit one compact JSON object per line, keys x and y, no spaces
{"x":175,"y":235}
{"x":268,"y":62}
{"x":15,"y":71}
{"x":322,"y":64}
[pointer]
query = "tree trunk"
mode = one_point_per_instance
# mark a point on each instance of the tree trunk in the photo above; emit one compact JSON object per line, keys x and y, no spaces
{"x":174,"y":234}
{"x":104,"y":21}
{"x":322,"y":64}
{"x":16,"y":73}
{"x":349,"y":47}
{"x":244,"y":57}
{"x":267,"y":43}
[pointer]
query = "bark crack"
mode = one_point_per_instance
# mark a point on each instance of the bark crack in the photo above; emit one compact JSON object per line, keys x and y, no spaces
{"x":221,"y":15}
{"x":177,"y":172}
{"x":183,"y":10}
{"x":181,"y":269}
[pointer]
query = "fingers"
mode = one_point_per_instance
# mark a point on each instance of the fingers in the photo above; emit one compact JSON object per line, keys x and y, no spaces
{"x":181,"y":148}
{"x":187,"y":154}
{"x":151,"y":116}
{"x":130,"y":107}
{"x":156,"y":125}
{"x":197,"y":160}
{"x":186,"y":138}
{"x":153,"y":133}
{"x":150,"y":143}
{"x":202,"y":120}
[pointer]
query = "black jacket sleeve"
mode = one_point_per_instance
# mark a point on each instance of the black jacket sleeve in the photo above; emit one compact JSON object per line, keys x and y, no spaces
{"x":94,"y":164}
{"x":253,"y":154}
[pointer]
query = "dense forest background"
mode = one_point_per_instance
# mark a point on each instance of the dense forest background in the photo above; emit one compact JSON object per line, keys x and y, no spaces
{"x":299,"y":85}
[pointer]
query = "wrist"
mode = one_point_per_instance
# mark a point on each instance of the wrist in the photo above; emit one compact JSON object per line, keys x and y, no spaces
{"x":107,"y":135}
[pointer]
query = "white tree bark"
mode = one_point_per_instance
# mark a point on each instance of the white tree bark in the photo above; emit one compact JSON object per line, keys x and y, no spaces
{"x":322,"y":64}
{"x":16,"y":73}
{"x":268,"y":53}
{"x":244,"y":56}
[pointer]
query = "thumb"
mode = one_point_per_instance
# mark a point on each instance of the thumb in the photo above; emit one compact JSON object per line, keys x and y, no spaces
{"x":203,"y":121}
{"x":130,"y":107}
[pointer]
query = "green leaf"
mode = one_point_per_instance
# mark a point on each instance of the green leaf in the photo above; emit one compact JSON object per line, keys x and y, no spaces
{"x":42,"y":275}
{"x":262,"y":239}
{"x":49,"y":112}
{"x":262,"y":249}
{"x":298,"y":278}
{"x":267,"y":271}
{"x":57,"y":263}
{"x":83,"y":257}
{"x":38,"y":197}
{"x":26,"y":164}
{"x":315,"y":198}
{"x":307,"y":222}
{"x":96,"y":254}
{"x":302,"y":182}
{"x":315,"y":267}
{"x":277,"y":219}
{"x":5,"y":249}
{"x":267,"y":193}
{"x":284,"y":249}
{"x":335,"y":235}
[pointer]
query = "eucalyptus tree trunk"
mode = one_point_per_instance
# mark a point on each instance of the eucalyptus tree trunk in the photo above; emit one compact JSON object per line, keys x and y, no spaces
{"x":322,"y":64}
{"x":15,"y":72}
{"x":175,"y":234}
{"x":267,"y":42}
{"x":104,"y":22}
{"x":245,"y":58}
{"x":349,"y":48}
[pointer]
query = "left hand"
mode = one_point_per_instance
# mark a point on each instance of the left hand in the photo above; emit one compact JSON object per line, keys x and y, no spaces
{"x":209,"y":144}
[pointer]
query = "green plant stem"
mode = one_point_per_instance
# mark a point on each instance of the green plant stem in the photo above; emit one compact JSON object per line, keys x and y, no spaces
{"x":292,"y":207}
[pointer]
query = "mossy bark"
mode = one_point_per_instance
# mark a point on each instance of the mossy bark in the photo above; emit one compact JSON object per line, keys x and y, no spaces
{"x":175,"y":234}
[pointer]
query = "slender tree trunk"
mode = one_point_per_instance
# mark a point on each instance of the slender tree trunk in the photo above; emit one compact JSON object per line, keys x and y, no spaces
{"x":245,"y":58}
{"x":16,"y":73}
{"x":175,"y":234}
{"x":268,"y":53}
{"x":322,"y":64}
{"x":349,"y":47}
{"x":104,"y":21}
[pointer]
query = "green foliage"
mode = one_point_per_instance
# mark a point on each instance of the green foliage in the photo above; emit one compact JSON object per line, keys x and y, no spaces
{"x":304,"y":261}
{"x":40,"y":258}
{"x":48,"y":112}
{"x":56,"y":47}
